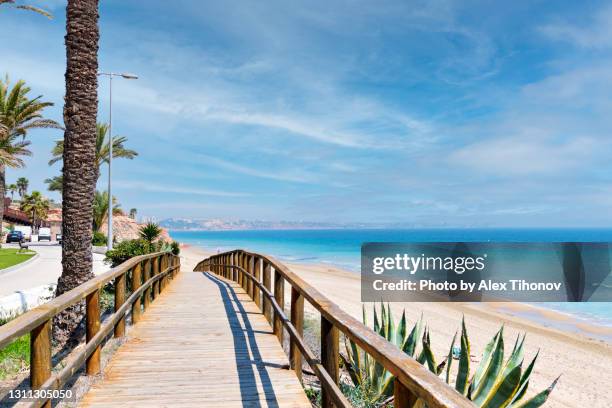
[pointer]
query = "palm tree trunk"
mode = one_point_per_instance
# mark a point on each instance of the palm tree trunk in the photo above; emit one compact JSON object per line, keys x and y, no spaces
{"x":2,"y":193}
{"x":80,"y":112}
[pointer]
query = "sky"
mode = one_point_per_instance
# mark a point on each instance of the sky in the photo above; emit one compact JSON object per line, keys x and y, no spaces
{"x":419,"y":113}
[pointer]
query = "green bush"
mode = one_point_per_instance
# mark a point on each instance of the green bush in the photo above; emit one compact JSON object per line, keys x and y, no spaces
{"x":175,"y":248}
{"x":128,"y":249}
{"x":98,"y":239}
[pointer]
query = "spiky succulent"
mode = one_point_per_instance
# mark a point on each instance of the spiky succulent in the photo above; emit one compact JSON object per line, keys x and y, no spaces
{"x":497,"y":383}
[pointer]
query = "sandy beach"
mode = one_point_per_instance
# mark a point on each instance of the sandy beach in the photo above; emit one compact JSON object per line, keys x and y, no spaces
{"x":583,"y":360}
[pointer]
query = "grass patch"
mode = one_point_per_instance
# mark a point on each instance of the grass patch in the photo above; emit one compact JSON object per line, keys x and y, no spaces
{"x":14,"y":357}
{"x":12,"y":256}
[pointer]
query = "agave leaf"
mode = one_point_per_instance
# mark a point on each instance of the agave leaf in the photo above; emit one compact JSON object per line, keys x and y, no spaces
{"x":383,"y":320}
{"x":485,"y":362}
{"x":524,"y":383}
{"x":356,"y":363}
{"x":502,"y":393}
{"x":516,"y":358}
{"x":538,"y":400}
{"x":401,"y":331}
{"x":376,"y":322}
{"x":410,"y":343}
{"x":463,"y":371}
{"x":428,"y":354}
{"x":491,"y":374}
{"x":386,"y":386}
{"x":390,"y":326}
{"x":449,"y":359}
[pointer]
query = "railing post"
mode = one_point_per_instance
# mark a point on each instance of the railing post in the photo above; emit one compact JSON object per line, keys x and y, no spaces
{"x":297,"y":320}
{"x":93,"y":325}
{"x":136,"y":282}
{"x":162,"y":269}
{"x":279,"y":295}
{"x":329,"y":356}
{"x":154,"y":272}
{"x":239,"y":265}
{"x":402,"y":396}
{"x":245,"y":279}
{"x":267,"y":307}
{"x":148,"y":291}
{"x":120,"y":288}
{"x":40,"y":357}
{"x":257,"y":272}
{"x":251,"y":270}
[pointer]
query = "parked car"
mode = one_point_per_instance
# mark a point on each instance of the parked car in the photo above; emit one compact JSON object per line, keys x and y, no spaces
{"x":44,"y":234}
{"x":58,"y":238}
{"x":14,"y":236}
{"x":25,"y":230}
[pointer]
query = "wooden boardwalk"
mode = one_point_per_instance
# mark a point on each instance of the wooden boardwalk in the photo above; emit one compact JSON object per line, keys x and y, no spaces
{"x":202,"y":343}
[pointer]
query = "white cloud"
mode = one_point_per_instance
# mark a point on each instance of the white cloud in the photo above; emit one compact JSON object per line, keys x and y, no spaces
{"x":596,"y":34}
{"x":525,"y":156}
{"x":171,"y":189}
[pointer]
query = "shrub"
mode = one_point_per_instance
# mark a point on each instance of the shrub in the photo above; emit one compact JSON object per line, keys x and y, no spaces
{"x":496,"y":383}
{"x":150,"y":232}
{"x":128,"y":249}
{"x":175,"y":248}
{"x":98,"y":239}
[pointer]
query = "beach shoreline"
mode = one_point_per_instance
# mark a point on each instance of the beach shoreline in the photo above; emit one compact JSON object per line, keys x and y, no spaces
{"x":582,"y":356}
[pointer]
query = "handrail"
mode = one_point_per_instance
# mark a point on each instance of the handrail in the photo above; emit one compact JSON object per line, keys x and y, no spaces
{"x":158,"y":269}
{"x":415,"y":381}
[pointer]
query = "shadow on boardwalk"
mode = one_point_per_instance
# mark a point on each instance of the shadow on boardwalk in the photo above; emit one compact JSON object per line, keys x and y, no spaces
{"x":244,"y":340}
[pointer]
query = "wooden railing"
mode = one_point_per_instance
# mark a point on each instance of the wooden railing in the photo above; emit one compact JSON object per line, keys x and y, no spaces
{"x":148,"y":275}
{"x":263,"y":278}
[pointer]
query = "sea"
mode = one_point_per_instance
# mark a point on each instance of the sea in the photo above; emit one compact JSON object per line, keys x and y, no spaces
{"x":341,"y":248}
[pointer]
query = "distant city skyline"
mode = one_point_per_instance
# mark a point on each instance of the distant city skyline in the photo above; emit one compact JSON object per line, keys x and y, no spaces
{"x":423,"y":113}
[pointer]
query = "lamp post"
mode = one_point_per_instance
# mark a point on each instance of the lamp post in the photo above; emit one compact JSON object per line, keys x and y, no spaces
{"x":110,"y":75}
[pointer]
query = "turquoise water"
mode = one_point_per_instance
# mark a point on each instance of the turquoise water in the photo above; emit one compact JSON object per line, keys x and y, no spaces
{"x":342,"y":248}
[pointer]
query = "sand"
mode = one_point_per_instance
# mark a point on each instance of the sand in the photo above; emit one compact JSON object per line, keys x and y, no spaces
{"x":583,"y":361}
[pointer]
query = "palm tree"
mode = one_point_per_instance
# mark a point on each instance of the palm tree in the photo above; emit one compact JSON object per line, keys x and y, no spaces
{"x":26,"y":7}
{"x":80,"y":113}
{"x":100,"y":209}
{"x":150,"y":232}
{"x":102,"y":148}
{"x":12,"y":188}
{"x":37,"y":208}
{"x":55,"y":184}
{"x":22,"y":186}
{"x":18,"y":114}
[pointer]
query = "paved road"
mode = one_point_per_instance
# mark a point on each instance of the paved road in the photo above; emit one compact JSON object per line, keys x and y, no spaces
{"x":42,"y":271}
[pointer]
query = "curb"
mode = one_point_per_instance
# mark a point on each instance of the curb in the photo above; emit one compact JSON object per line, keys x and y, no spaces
{"x":19,"y":265}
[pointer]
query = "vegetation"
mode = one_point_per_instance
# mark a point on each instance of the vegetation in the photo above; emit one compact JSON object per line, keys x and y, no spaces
{"x":102,"y":149}
{"x":100,"y":209}
{"x":26,"y":7}
{"x":36,"y":207}
{"x":11,"y":256}
{"x":12,"y":188}
{"x":79,"y":157}
{"x":129,"y":249}
{"x":496,"y":382}
{"x":15,"y":357}
{"x":22,"y":186}
{"x":99,"y":239}
{"x":18,"y":115}
{"x":150,"y":232}
{"x":55,"y":184}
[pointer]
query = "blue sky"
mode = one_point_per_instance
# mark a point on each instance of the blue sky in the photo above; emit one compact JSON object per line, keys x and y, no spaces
{"x":433,"y":113}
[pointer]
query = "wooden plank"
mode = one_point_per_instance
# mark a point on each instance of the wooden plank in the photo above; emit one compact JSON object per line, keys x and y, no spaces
{"x":203,"y":342}
{"x":93,"y":326}
{"x":40,"y":357}
{"x":279,"y":295}
{"x":329,"y":357}
{"x":297,"y":320}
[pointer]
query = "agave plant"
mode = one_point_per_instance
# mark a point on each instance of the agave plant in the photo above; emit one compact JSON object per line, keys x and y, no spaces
{"x":374,"y":381}
{"x":495,"y":384}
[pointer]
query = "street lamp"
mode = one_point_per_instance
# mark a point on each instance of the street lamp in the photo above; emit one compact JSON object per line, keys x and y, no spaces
{"x":110,"y":75}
